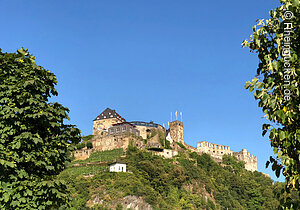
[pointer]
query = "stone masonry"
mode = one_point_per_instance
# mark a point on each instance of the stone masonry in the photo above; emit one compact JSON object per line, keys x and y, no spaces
{"x":217,"y":151}
{"x":176,"y":131}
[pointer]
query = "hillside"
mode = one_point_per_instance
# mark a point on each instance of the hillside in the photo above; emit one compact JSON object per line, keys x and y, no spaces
{"x":188,"y":181}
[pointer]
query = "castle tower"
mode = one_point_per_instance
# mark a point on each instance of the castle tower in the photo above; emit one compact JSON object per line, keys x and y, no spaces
{"x":105,"y":120}
{"x":176,"y":131}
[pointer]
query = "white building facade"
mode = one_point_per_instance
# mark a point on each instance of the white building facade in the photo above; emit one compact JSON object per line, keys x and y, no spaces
{"x":117,"y":167}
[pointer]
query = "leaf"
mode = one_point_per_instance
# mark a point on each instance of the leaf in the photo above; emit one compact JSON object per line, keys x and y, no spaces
{"x":267,"y":164}
{"x":251,"y":88}
{"x":264,"y":132}
{"x":277,"y":172}
{"x":259,"y":85}
{"x":248,"y":83}
{"x":279,"y":154}
{"x":281,"y":134}
{"x":254,"y":81}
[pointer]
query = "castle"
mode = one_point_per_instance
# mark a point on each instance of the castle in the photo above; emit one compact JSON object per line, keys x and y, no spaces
{"x":111,"y":131}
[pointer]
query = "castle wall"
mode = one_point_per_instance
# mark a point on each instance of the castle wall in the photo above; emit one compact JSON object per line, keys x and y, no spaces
{"x":111,"y":142}
{"x":249,"y":159}
{"x":167,"y":153}
{"x":144,"y":130}
{"x":193,"y":149}
{"x":103,"y":125}
{"x":82,"y":154}
{"x":215,"y":150}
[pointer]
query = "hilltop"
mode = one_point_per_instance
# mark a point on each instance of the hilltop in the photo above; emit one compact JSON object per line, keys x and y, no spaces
{"x":163,"y":172}
{"x":186,"y":181}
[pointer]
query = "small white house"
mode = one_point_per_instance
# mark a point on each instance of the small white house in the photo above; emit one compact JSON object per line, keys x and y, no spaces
{"x":117,"y":166}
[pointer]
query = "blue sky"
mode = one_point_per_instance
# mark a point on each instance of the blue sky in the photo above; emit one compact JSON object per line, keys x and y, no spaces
{"x":147,"y":59}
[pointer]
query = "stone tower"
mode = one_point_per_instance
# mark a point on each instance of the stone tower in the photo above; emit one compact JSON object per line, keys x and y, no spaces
{"x":176,"y":131}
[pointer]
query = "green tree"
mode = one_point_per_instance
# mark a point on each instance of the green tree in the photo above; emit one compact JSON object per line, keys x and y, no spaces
{"x":80,"y":145}
{"x":276,"y":41}
{"x":35,"y":142}
{"x":89,"y":145}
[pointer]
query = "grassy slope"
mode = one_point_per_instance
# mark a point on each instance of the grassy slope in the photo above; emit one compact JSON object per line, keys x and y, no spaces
{"x":188,"y":181}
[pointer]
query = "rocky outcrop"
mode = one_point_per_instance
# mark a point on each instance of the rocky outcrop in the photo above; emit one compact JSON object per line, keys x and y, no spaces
{"x":136,"y":203}
{"x":127,"y":202}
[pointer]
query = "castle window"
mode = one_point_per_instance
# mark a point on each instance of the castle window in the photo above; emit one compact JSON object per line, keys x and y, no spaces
{"x":118,"y":129}
{"x":124,"y":128}
{"x":221,"y":152}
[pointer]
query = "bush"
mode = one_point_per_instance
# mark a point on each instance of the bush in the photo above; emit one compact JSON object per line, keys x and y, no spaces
{"x":87,"y":138}
{"x":80,"y":145}
{"x":181,"y":145}
{"x":89,"y":145}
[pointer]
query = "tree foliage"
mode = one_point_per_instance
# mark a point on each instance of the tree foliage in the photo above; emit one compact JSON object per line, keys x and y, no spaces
{"x":89,"y":145}
{"x":276,"y":41}
{"x":35,"y":142}
{"x":191,"y":182}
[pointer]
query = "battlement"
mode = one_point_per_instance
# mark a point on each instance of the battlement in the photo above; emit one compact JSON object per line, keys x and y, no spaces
{"x":215,"y":150}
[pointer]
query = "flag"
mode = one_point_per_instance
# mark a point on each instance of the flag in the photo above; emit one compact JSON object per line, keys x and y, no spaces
{"x":176,"y":115}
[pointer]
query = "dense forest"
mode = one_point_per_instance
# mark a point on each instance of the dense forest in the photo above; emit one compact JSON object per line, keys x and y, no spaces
{"x":188,"y":181}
